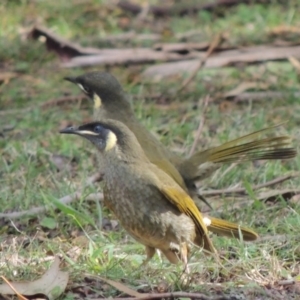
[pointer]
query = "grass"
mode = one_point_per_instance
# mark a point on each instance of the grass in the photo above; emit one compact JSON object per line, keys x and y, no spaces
{"x":30,"y":176}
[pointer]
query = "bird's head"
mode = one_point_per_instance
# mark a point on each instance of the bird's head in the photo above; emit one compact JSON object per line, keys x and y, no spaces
{"x":110,"y":135}
{"x":105,"y":91}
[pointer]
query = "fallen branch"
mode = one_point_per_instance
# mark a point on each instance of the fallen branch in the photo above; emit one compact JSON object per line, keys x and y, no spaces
{"x":175,"y":295}
{"x":65,"y":200}
{"x":114,"y":57}
{"x":225,"y":58}
{"x":255,"y":187}
{"x":74,"y":55}
{"x":179,"y":8}
{"x":56,"y":43}
{"x":124,"y":37}
{"x":258,"y":96}
{"x":188,"y":47}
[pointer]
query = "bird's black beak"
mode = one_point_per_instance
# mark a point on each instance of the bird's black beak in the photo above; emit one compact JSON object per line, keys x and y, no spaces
{"x":78,"y":131}
{"x":71,"y":79}
{"x":70,"y":130}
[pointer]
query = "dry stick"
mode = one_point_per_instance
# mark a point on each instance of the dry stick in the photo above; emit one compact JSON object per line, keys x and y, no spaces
{"x":123,"y":37}
{"x":201,"y":125}
{"x":44,"y":105}
{"x":174,"y":295}
{"x":255,"y":187}
{"x":179,"y":9}
{"x":258,"y":96}
{"x":217,"y":41}
{"x":66,"y":199}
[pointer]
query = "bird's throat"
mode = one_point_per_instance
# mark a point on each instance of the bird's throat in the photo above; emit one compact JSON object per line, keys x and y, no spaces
{"x":97,"y":101}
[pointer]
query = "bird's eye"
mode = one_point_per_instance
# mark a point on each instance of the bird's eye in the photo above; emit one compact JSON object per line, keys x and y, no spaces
{"x":97,"y":129}
{"x":86,"y":89}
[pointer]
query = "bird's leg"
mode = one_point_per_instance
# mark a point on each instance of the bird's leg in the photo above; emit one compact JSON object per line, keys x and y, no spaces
{"x":150,"y":251}
{"x":184,"y":250}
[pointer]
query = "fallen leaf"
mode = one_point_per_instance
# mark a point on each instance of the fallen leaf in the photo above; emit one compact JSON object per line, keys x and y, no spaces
{"x":52,"y":284}
{"x":284,"y":30}
{"x":295,"y":63}
{"x":5,"y":77}
{"x":226,"y":106}
{"x":119,"y":286}
{"x":20,"y":297}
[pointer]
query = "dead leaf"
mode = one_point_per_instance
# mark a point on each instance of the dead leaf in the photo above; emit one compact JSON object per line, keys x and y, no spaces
{"x":226,"y":106}
{"x":20,"y":297}
{"x":5,"y":77}
{"x":52,"y":284}
{"x":295,"y":63}
{"x":283,"y":30}
{"x":119,"y":286}
{"x":295,"y":199}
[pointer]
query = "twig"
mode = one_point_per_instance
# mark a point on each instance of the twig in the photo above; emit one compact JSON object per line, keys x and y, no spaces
{"x":287,"y":282}
{"x":247,"y":55}
{"x":201,"y":125}
{"x":217,"y":41}
{"x":179,"y":9}
{"x":257,"y":96}
{"x":44,"y":105}
{"x":173,"y":295}
{"x":65,"y":200}
{"x":255,"y":187}
{"x":128,"y":36}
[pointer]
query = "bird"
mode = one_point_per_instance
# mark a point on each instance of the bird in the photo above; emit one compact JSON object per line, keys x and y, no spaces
{"x":149,"y":204}
{"x":111,"y":102}
{"x":130,"y":144}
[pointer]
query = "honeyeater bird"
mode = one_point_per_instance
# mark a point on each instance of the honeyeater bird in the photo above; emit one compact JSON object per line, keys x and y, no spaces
{"x":110,"y":101}
{"x":118,"y":147}
{"x":149,"y":204}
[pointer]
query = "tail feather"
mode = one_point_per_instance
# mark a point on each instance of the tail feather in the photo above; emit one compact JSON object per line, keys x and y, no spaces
{"x":229,"y":229}
{"x":267,"y":148}
{"x":246,"y":148}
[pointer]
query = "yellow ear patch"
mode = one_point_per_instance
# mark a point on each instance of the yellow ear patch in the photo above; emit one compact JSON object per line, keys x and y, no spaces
{"x":111,"y":141}
{"x":97,"y":101}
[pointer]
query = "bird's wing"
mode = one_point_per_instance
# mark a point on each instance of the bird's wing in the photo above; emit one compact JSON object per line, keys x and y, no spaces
{"x":186,"y":205}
